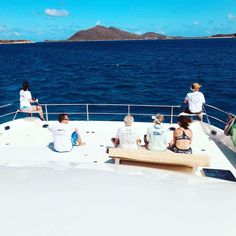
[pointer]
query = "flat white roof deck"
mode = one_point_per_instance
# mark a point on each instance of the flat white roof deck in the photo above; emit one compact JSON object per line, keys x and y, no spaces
{"x":27,"y":143}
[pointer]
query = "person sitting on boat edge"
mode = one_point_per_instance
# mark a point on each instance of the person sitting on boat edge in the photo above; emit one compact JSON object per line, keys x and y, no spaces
{"x":195,"y":101}
{"x":126,"y":136}
{"x":156,"y":138}
{"x":26,"y":100}
{"x":65,"y":136}
{"x":182,"y":136}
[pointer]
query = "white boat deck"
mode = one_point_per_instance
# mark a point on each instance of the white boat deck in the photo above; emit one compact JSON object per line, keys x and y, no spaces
{"x":68,"y":194}
{"x":27,"y":143}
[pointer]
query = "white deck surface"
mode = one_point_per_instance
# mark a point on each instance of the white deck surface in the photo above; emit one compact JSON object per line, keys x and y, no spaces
{"x":27,"y":143}
{"x":47,"y":193}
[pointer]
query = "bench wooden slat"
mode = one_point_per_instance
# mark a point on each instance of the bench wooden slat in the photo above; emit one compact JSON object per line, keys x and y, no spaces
{"x":166,"y":157}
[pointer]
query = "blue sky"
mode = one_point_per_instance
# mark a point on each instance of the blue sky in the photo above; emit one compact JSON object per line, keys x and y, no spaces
{"x":39,"y":20}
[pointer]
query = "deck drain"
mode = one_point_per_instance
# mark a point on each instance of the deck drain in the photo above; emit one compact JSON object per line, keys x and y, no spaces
{"x":95,"y":161}
{"x":203,"y":150}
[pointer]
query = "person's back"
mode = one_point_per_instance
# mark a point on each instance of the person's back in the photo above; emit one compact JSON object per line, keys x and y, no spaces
{"x":182,"y":136}
{"x":157,"y":138}
{"x":62,"y":137}
{"x":25,"y":96}
{"x":127,"y":136}
{"x":195,"y":101}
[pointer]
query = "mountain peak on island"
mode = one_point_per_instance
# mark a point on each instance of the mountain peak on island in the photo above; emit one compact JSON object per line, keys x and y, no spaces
{"x":100,"y":32}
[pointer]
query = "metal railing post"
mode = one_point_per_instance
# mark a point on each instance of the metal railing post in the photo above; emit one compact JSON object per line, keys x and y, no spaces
{"x":128,"y":109}
{"x":87,"y":112}
{"x":46,"y":112}
{"x":171,"y":114}
{"x":208,"y":120}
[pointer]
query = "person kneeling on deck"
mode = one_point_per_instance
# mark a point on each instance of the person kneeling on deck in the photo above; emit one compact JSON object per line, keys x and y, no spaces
{"x":156,"y":137}
{"x":182,"y":136}
{"x":127,"y":136}
{"x":195,"y":101}
{"x":65,"y":136}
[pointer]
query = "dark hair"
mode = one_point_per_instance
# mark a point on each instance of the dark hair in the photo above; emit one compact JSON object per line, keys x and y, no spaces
{"x":61,"y":117}
{"x":184,"y":122}
{"x":25,"y":85}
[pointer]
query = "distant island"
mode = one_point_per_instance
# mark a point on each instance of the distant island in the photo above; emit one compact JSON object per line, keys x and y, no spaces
{"x":111,"y":33}
{"x":14,"y":41}
{"x":99,"y":32}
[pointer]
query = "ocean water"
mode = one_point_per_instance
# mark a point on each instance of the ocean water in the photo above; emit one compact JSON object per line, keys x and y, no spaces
{"x":129,"y":72}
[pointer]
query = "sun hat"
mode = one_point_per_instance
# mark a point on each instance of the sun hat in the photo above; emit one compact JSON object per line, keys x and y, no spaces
{"x":158,"y":118}
{"x":195,"y":86}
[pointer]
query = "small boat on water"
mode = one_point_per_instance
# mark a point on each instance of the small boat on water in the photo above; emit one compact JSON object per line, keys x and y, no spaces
{"x":44,"y":192}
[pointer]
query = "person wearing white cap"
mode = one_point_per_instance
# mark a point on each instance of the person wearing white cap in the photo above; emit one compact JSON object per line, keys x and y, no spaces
{"x":156,"y":137}
{"x":195,"y":101}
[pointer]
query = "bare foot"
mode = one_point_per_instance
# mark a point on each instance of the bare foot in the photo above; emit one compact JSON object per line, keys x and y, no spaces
{"x":82,"y":144}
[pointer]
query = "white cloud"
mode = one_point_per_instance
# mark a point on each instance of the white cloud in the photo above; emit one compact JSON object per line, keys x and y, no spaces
{"x":231,"y":16}
{"x":98,"y":22}
{"x":55,"y":12}
{"x":16,"y":33}
{"x":3,"y":28}
{"x":196,"y":23}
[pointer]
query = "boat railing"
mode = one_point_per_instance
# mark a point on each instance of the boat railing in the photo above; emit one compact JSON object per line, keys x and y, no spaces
{"x":89,"y":110}
{"x":216,"y":116}
{"x":94,"y":111}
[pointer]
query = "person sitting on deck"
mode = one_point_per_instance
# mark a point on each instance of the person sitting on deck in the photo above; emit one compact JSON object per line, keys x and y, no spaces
{"x":65,"y":136}
{"x":156,"y":137}
{"x":26,"y":100}
{"x":195,"y":101}
{"x":127,"y":136}
{"x":182,"y":136}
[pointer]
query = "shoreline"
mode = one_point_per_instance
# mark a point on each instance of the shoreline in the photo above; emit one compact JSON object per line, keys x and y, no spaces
{"x":117,"y":40}
{"x":15,"y":41}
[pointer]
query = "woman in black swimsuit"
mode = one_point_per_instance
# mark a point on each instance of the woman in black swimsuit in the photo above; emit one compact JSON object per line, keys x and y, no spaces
{"x":182,"y":137}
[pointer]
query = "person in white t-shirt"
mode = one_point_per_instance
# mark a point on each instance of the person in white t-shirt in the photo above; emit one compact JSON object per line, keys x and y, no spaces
{"x":26,"y":100}
{"x":156,"y":138}
{"x":195,"y":101}
{"x":127,"y":136}
{"x":65,"y":136}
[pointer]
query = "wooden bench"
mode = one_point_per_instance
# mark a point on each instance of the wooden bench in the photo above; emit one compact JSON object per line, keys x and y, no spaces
{"x":164,"y":160}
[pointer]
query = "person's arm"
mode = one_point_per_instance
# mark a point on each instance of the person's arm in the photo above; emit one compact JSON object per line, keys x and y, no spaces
{"x":191,"y":136}
{"x":203,"y":99}
{"x":30,"y":97}
{"x":174,"y":137}
{"x":117,"y":141}
{"x":186,"y":99}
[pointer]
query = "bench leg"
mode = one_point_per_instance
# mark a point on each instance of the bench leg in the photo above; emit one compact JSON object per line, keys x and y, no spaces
{"x":117,"y":161}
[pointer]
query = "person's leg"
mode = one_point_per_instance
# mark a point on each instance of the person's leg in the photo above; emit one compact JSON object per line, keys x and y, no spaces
{"x":39,"y":109}
{"x":200,"y":116}
{"x":76,"y":139}
{"x":145,"y":141}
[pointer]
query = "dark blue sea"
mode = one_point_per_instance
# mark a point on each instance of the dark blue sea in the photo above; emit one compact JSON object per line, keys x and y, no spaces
{"x":129,"y":72}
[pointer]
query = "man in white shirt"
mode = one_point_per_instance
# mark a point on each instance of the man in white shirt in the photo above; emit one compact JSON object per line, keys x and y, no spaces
{"x":127,"y":136}
{"x":195,"y":101}
{"x":65,"y":136}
